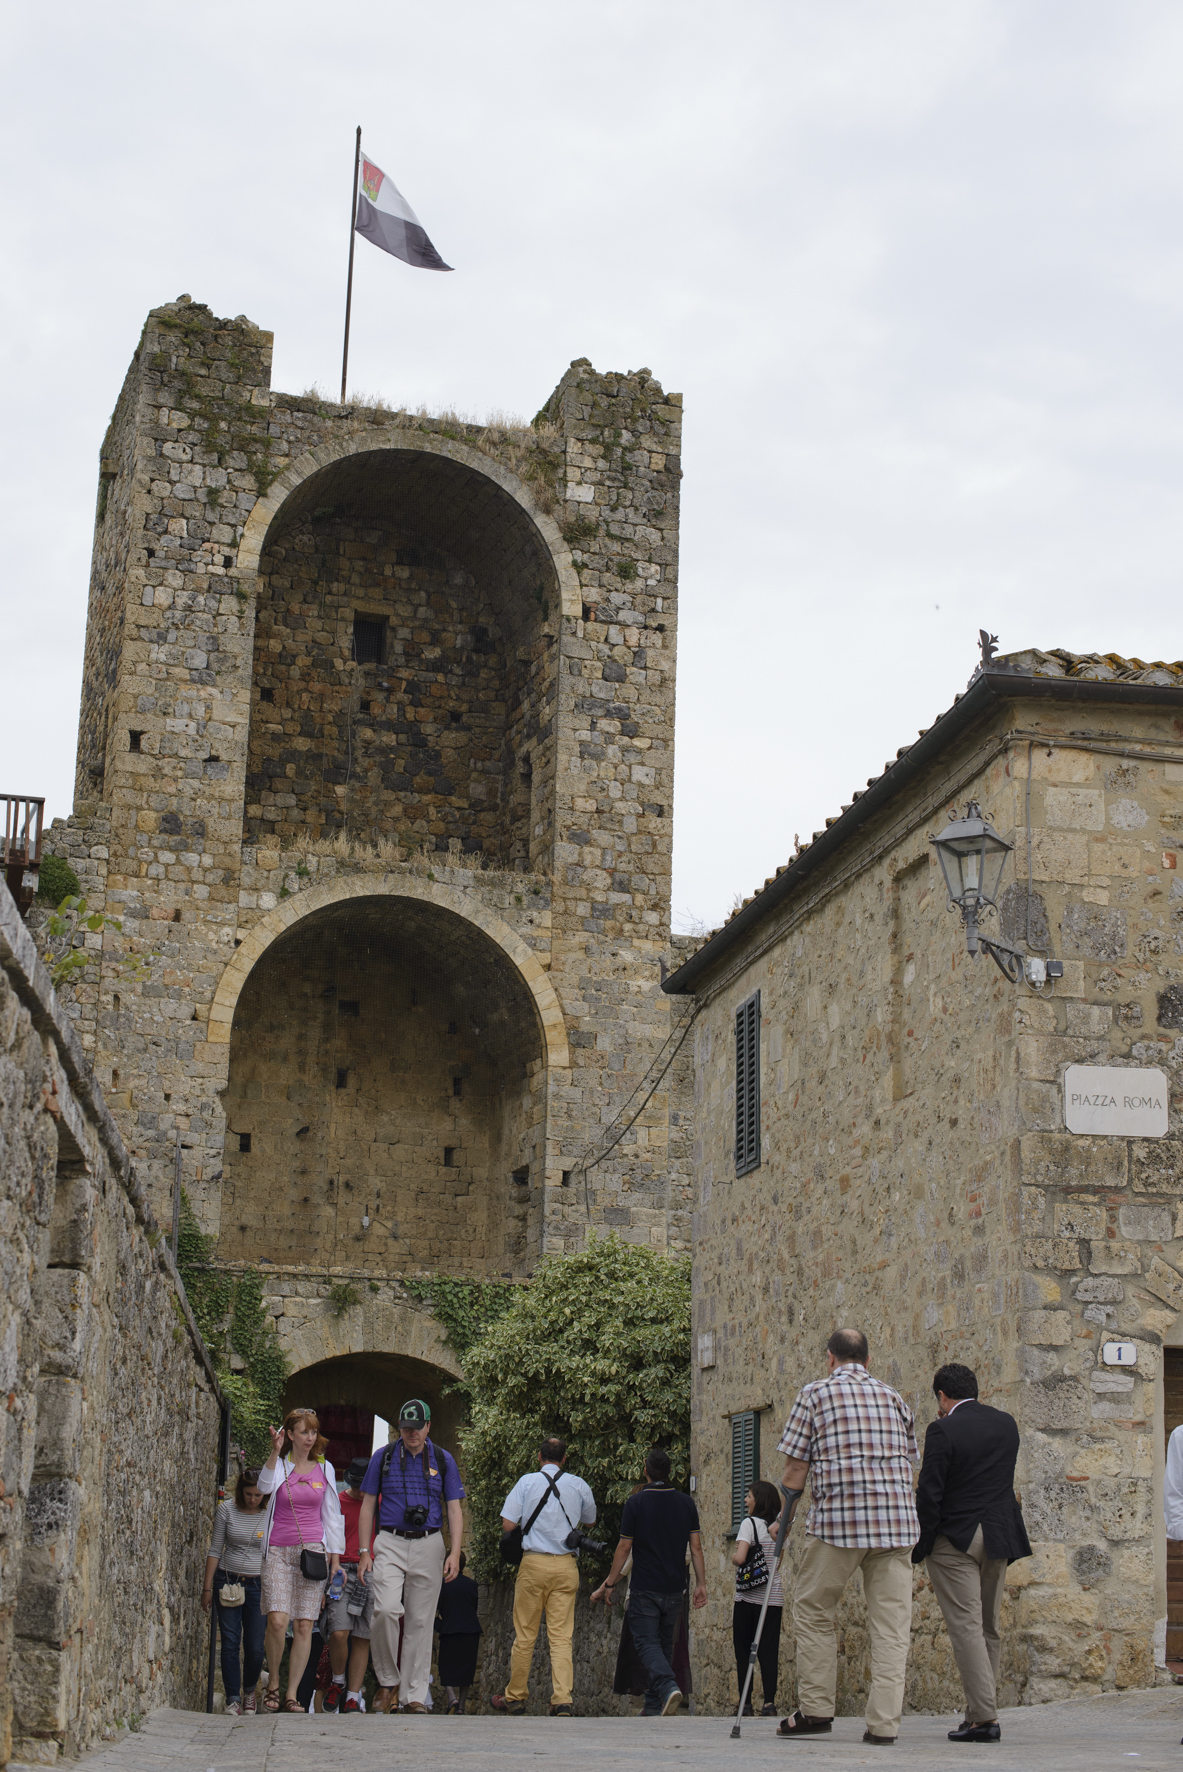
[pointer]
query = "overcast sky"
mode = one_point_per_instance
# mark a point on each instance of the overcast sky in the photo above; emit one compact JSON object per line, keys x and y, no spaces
{"x":915,"y":265}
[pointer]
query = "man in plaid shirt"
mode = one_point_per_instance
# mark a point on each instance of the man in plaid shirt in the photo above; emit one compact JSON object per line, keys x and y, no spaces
{"x":853,"y":1437}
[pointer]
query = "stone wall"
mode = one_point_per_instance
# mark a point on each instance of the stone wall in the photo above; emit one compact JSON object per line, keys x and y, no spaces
{"x":916,"y":1178}
{"x":110,"y":1436}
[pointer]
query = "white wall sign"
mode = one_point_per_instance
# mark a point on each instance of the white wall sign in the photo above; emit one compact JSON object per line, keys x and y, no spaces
{"x":1112,"y":1102}
{"x":1120,"y":1353}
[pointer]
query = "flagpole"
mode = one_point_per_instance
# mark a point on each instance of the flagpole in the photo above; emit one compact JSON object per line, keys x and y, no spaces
{"x":349,"y":283}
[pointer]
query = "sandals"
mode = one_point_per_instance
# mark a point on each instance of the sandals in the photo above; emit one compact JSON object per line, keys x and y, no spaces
{"x":799,"y":1725}
{"x":271,"y":1698}
{"x":293,"y":1707}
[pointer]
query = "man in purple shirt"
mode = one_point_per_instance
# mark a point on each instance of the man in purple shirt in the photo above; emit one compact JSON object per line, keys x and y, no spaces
{"x":415,"y":1482}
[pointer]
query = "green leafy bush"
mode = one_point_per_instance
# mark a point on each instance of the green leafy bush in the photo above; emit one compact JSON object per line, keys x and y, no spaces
{"x":595,"y":1349}
{"x":56,"y":880}
{"x":230,"y":1313}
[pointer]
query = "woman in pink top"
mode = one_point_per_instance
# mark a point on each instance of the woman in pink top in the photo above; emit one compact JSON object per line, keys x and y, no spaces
{"x":303,"y":1514}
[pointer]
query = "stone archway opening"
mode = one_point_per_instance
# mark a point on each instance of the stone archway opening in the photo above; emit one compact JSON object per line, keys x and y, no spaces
{"x":386,"y":1097}
{"x":377,"y":1383}
{"x":404,"y":664}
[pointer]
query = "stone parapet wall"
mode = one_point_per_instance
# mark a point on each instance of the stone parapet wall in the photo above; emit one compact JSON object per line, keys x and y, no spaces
{"x":111,"y":1431}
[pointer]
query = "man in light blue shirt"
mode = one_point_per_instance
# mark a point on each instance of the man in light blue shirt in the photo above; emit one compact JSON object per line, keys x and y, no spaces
{"x":553,"y":1503}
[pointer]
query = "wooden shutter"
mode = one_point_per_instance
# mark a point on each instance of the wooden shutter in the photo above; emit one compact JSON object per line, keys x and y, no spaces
{"x":745,"y":1461}
{"x":747,"y":1085}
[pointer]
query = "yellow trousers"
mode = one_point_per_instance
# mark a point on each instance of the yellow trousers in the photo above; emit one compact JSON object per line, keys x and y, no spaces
{"x":546,"y":1586}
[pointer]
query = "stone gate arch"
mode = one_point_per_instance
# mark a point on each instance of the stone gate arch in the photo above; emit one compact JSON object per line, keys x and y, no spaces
{"x":373,"y":1355}
{"x":408,"y":595}
{"x":388,"y":439}
{"x":392,"y":1050}
{"x":436,"y":892}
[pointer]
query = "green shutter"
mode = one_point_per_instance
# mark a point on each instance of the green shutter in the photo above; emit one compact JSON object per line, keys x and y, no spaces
{"x":745,"y":1461}
{"x":747,"y":1085}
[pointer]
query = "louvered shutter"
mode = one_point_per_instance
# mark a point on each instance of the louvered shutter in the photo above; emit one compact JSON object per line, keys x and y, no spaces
{"x":747,"y":1085}
{"x":745,"y":1461}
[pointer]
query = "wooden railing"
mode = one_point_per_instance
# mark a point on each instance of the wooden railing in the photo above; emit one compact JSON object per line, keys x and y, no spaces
{"x":20,"y":857}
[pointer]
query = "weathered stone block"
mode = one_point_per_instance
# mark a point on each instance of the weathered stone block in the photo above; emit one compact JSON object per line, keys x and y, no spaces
{"x":1094,"y":932}
{"x":39,"y":1697}
{"x":1156,"y":1165}
{"x":63,"y":1310}
{"x":1075,"y":809}
{"x":1054,"y":1511}
{"x":1060,"y":1253}
{"x":1091,"y":1564}
{"x":1075,"y":1218}
{"x":1123,"y":1506}
{"x":59,"y":1428}
{"x":1166,"y":1281}
{"x":1056,"y":1402}
{"x":1066,"y":1161}
{"x":1047,"y":1328}
{"x":1112,"y":1257}
{"x":1099,"y":1291}
{"x":1135,"y":1664}
{"x":1146,"y":1223}
{"x":1040,"y":1290}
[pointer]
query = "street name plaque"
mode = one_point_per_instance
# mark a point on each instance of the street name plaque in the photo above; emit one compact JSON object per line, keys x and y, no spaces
{"x":1111,"y":1102}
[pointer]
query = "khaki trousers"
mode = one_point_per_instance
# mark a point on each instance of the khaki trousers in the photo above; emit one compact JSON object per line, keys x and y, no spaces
{"x":887,"y":1585}
{"x":969,"y":1586}
{"x":544,"y":1585}
{"x":407,"y":1576}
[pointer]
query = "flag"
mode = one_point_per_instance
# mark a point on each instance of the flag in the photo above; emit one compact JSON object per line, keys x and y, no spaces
{"x":386,"y":219}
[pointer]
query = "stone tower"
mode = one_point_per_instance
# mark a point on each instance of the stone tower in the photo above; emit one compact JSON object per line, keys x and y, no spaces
{"x":375,"y":764}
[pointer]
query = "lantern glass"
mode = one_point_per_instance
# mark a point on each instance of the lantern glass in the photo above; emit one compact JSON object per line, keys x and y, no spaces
{"x":972,"y":856}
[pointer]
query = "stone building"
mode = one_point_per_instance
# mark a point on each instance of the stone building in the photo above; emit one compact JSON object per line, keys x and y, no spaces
{"x":880,"y":1140}
{"x":109,"y":1437}
{"x":375,"y":765}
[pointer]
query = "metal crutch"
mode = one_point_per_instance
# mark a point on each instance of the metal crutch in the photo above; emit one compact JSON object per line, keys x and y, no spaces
{"x":792,"y":1497}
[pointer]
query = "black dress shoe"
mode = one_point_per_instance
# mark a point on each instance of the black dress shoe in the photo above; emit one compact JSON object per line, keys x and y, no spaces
{"x":879,"y":1740}
{"x":976,"y":1732}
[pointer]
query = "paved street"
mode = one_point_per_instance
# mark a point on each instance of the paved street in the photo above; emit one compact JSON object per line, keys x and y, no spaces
{"x":1117,"y":1730}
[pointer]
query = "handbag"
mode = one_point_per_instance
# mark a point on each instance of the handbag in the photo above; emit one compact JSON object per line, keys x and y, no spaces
{"x":314,"y":1564}
{"x":232,"y":1593}
{"x":512,"y":1549}
{"x":752,"y":1573}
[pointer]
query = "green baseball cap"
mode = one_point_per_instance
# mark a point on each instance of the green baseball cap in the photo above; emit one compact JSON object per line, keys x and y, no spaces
{"x":416,"y":1413}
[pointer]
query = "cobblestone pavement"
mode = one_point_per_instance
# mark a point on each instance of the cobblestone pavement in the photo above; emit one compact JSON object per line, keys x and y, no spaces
{"x":1083,"y":1734}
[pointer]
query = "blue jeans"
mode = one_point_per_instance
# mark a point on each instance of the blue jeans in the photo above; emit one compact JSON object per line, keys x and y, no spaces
{"x":236,"y":1623}
{"x":653,"y":1618}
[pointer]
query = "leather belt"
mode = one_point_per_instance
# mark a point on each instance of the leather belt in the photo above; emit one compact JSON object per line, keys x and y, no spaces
{"x":394,"y":1531}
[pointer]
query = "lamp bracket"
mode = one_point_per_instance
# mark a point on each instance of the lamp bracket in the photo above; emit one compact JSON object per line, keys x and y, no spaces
{"x":1008,"y":960}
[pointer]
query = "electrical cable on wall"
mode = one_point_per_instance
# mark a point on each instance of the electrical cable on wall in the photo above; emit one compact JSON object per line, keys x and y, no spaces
{"x":676,"y":1034}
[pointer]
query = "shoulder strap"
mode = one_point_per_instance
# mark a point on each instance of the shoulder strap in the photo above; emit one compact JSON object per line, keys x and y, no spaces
{"x":553,"y":1489}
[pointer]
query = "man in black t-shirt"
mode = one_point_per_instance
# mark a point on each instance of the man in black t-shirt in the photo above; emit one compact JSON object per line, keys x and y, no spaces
{"x":657,"y":1524}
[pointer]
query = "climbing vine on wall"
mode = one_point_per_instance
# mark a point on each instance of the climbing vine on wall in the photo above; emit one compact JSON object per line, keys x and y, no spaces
{"x":230,"y":1313}
{"x":465,"y":1308}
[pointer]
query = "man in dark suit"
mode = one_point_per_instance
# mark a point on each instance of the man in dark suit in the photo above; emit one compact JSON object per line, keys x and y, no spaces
{"x":971,"y":1527}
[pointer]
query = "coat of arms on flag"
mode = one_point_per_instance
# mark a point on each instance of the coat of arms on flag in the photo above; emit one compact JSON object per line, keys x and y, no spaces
{"x":386,"y":219}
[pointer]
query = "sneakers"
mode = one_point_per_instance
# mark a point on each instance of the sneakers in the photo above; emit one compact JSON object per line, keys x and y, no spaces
{"x":333,"y":1694}
{"x":233,"y":1707}
{"x":672,"y":1702}
{"x":562,"y":1710}
{"x":509,"y":1707}
{"x":351,"y":1704}
{"x":250,"y":1704}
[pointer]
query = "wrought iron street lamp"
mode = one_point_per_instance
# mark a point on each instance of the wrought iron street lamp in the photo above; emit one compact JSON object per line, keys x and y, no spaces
{"x":972,"y":856}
